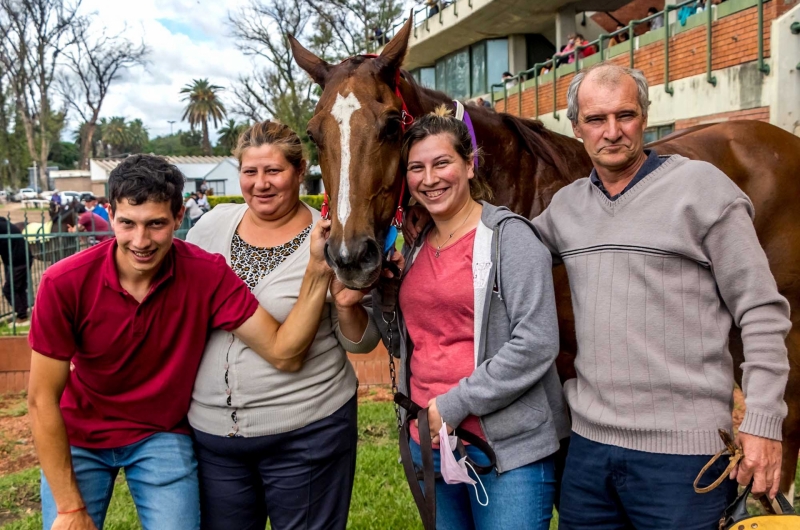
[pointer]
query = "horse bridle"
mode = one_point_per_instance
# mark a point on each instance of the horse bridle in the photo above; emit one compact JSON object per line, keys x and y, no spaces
{"x":406,"y":120}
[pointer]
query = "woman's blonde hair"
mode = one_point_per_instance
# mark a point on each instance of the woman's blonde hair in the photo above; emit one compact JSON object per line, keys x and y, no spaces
{"x":442,"y":121}
{"x":272,"y":133}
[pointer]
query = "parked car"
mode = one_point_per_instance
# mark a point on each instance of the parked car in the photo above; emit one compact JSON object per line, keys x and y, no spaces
{"x":46,"y":195}
{"x":4,"y":196}
{"x":67,"y":196}
{"x":27,"y":193}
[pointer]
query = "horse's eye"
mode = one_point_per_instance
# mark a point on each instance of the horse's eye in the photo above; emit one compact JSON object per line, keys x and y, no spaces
{"x":310,"y":136}
{"x":391,"y":129}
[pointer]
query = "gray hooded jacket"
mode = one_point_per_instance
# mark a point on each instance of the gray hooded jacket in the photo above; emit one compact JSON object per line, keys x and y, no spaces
{"x":514,"y":389}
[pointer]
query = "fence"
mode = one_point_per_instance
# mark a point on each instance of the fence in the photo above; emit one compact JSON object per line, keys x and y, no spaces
{"x":38,"y":243}
{"x":546,"y":75}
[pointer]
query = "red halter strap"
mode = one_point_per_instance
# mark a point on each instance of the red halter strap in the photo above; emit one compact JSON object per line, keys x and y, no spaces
{"x":406,"y":119}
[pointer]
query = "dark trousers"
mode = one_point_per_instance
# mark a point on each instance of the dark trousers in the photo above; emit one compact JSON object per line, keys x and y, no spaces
{"x":20,"y":299}
{"x":607,"y":487}
{"x":301,"y":479}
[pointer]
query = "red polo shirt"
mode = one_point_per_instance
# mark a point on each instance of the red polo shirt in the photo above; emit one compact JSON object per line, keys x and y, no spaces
{"x":135,"y":364}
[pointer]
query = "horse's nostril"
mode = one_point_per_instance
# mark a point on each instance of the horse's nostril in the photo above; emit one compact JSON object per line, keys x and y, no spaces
{"x":356,"y":255}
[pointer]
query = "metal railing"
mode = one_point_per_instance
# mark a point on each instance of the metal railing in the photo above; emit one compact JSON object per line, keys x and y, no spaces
{"x":558,"y":59}
{"x":28,"y":255}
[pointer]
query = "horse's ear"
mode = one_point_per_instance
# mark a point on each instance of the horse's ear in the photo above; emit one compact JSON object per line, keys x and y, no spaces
{"x":393,"y":53}
{"x":316,"y":67}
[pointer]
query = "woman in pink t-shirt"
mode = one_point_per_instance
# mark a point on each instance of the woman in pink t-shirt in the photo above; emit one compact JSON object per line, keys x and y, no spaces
{"x":478,"y":335}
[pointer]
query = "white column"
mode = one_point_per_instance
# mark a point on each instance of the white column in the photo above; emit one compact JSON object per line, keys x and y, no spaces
{"x":565,"y":25}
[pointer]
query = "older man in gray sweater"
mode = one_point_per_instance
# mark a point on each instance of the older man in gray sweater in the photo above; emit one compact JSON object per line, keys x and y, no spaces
{"x":663,"y":259}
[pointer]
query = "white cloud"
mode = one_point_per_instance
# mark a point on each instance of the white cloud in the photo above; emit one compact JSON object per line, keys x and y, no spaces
{"x":196,"y":45}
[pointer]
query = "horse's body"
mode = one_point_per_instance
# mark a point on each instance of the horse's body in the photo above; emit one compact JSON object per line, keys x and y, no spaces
{"x":526,"y":164}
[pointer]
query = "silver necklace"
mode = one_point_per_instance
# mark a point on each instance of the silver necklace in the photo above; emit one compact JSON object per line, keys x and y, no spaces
{"x":439,"y":247}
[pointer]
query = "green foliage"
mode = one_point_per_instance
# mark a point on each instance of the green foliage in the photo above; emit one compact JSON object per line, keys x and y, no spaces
{"x":315,"y":201}
{"x":182,"y":143}
{"x":65,"y":155}
{"x":229,"y":134}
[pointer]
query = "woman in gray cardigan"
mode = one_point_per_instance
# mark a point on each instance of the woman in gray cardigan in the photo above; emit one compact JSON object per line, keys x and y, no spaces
{"x":478,"y":335}
{"x":271,"y":443}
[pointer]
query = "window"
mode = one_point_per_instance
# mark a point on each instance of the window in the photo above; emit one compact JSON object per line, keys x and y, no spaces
{"x":478,"y":69}
{"x":441,"y":75}
{"x":458,"y":78}
{"x":496,"y":60}
{"x":427,"y":77}
{"x":651,"y":134}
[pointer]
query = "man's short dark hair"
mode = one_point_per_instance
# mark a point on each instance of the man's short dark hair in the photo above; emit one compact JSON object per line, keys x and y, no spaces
{"x":142,"y":178}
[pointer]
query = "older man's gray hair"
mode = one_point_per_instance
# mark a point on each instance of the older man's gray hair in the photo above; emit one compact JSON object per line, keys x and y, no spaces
{"x":608,"y":73}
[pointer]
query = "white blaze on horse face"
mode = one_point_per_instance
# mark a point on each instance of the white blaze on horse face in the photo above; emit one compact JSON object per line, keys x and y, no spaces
{"x":342,"y":111}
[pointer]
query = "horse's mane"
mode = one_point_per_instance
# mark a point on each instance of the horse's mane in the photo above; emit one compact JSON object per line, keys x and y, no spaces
{"x":544,"y":145}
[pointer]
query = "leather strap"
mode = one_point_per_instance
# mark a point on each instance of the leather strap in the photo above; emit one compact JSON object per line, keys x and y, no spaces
{"x":736,"y":454}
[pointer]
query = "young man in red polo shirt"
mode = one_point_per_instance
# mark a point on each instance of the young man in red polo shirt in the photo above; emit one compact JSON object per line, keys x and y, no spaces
{"x":128,"y":315}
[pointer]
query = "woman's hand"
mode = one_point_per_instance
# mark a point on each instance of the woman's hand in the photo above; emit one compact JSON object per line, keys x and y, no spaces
{"x":435,"y":421}
{"x":415,"y":220}
{"x":343,"y":297}
{"x":319,"y":236}
{"x":399,"y":262}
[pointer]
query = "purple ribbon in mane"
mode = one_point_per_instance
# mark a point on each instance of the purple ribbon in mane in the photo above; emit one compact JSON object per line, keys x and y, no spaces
{"x":461,"y":109}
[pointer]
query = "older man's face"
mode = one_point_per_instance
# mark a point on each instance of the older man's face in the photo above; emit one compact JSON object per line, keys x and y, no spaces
{"x":610,"y":122}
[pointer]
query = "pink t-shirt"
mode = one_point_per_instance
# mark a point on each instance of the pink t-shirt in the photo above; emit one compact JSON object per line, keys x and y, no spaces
{"x":437,"y":301}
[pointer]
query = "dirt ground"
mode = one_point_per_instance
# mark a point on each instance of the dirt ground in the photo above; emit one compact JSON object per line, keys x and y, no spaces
{"x":17,"y":213}
{"x":16,"y":442}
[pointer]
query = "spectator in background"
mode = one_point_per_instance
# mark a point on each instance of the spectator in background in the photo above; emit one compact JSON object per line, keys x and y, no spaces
{"x":91,"y":205}
{"x":619,"y":37}
{"x":105,"y":205}
{"x":508,"y":79}
{"x":378,"y":36}
{"x":204,"y":186}
{"x":15,"y":269}
{"x":657,"y":22}
{"x":193,"y":209}
{"x":579,"y":42}
{"x":202,"y":202}
{"x":433,"y":7}
{"x":89,"y":221}
{"x":483,"y":103}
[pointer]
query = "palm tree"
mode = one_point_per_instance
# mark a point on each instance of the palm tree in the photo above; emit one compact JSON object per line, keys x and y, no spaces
{"x":116,"y":134}
{"x":229,"y":134}
{"x":137,"y":136}
{"x":203,"y":104}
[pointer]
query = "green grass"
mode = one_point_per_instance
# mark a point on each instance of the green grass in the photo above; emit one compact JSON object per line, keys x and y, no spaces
{"x":381,"y":499}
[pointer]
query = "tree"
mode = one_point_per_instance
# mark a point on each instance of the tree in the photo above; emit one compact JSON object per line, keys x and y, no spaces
{"x":92,"y":66}
{"x":116,"y":135}
{"x":203,"y":105}
{"x":65,"y":155}
{"x":179,"y":144}
{"x":33,"y":35}
{"x":137,"y":136}
{"x":352,"y":24}
{"x":279,"y":90}
{"x":229,"y":135}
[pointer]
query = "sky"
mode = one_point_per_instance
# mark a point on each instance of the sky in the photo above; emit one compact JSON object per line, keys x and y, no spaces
{"x":188,"y":39}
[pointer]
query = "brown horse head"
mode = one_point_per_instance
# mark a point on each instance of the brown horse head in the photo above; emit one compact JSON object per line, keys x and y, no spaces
{"x":357,"y":127}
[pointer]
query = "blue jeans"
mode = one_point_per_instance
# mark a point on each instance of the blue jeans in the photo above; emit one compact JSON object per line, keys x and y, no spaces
{"x":521,"y":498}
{"x":607,"y":487}
{"x":161,"y":471}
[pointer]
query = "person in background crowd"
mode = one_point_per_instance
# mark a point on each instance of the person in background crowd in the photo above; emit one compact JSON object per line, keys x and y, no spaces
{"x":117,"y":334}
{"x":90,"y":221}
{"x":16,"y":261}
{"x":202,"y":201}
{"x":619,"y":37}
{"x":483,"y":103}
{"x":193,"y":209}
{"x":433,"y":7}
{"x":657,"y":22}
{"x":104,"y":204}
{"x":508,"y":79}
{"x":204,"y":186}
{"x":478,"y":335}
{"x":92,"y":205}
{"x":662,"y":258}
{"x":272,"y":444}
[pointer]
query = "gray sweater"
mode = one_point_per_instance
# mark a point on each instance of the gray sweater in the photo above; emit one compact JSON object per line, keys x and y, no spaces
{"x":265,"y":400}
{"x":657,"y":279}
{"x":514,"y":389}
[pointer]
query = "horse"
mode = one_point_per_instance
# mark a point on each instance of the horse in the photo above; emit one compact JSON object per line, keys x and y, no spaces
{"x":44,"y":239}
{"x":358,"y":123}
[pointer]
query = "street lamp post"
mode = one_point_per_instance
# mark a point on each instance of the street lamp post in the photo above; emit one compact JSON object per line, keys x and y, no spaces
{"x":170,"y":126}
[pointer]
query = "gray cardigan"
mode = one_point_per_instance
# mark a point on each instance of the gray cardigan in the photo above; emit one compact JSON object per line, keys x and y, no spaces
{"x":265,"y":400}
{"x":514,"y":389}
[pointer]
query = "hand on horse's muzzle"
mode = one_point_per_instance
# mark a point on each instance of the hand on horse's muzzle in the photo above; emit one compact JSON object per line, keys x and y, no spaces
{"x":357,"y":261}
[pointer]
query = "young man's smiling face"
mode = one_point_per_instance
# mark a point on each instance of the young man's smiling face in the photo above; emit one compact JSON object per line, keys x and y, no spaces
{"x":144,"y":235}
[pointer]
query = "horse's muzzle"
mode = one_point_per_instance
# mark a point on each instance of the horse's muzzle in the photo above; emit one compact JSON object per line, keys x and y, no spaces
{"x":357,"y":262}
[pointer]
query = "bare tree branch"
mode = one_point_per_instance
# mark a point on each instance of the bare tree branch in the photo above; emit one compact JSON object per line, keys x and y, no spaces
{"x":92,"y":64}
